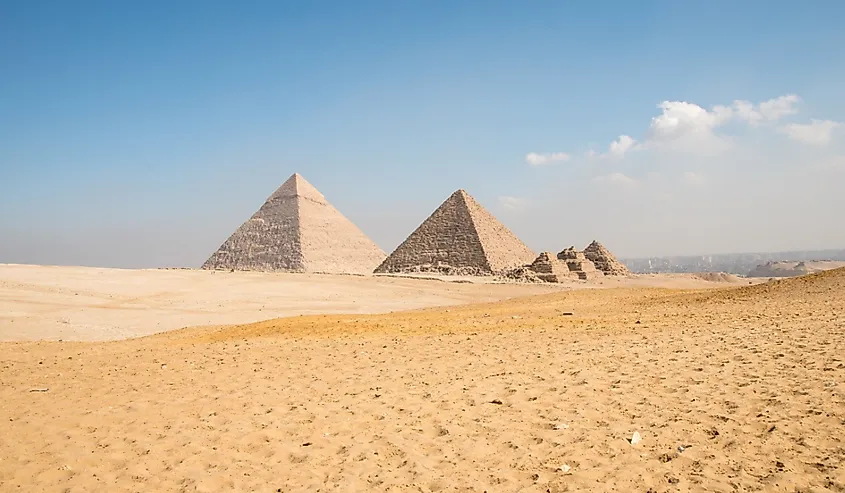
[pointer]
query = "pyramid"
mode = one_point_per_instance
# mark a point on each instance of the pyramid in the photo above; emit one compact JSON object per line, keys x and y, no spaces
{"x":579,"y":264}
{"x":297,"y":230}
{"x":551,"y":269}
{"x":605,"y":261}
{"x":460,"y":237}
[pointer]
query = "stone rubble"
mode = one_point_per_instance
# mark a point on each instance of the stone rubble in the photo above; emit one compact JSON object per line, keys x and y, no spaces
{"x":521,"y":274}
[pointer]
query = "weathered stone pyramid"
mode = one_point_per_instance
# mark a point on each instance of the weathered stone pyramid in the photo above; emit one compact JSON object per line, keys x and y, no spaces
{"x":549,"y":268}
{"x":460,"y":237}
{"x":297,"y":230}
{"x":579,"y":264}
{"x":605,"y":261}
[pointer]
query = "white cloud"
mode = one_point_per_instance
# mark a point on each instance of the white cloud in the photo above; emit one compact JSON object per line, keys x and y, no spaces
{"x":767,"y":111}
{"x":617,"y":149}
{"x":775,"y":109}
{"x":816,"y":132}
{"x":616,"y":179}
{"x":694,"y":179}
{"x":536,"y":159}
{"x":745,"y":111}
{"x":739,"y":199}
{"x":622,"y":145}
{"x":679,"y":118}
{"x":512,"y":203}
{"x":685,"y":126}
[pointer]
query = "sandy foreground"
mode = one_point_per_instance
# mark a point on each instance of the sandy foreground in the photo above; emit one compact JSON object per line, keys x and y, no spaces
{"x":731,"y":389}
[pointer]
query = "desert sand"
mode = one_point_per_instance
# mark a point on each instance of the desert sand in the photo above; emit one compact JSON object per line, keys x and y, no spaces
{"x":91,"y":304}
{"x":95,"y":304}
{"x":731,"y":389}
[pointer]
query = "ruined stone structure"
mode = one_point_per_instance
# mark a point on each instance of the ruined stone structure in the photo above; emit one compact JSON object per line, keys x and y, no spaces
{"x":459,"y":238}
{"x":579,"y":264}
{"x":522,"y":274}
{"x":570,"y":264}
{"x":548,"y":268}
{"x":604,"y":260}
{"x":297,"y":230}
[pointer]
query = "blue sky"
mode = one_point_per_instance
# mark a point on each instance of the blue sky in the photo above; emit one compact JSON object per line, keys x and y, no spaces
{"x":141,"y":134}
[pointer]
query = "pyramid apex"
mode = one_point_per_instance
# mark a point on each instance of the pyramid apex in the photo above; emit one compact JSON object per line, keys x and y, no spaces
{"x":295,"y":177}
{"x":596,"y":246}
{"x":462,"y":193}
{"x":297,"y":186}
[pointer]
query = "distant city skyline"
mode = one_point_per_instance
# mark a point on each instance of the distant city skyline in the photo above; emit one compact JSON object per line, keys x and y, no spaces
{"x":142,"y":135}
{"x":733,"y":263}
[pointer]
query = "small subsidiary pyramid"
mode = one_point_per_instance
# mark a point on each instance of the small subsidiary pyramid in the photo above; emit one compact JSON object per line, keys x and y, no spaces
{"x":460,"y":237}
{"x":297,"y":230}
{"x":604,"y":260}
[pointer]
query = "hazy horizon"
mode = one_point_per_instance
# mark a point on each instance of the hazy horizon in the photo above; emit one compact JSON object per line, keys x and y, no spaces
{"x":143,"y":135}
{"x":197,"y":263}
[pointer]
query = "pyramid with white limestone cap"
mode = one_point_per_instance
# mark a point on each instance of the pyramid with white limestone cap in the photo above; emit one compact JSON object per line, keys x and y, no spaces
{"x":460,"y":237}
{"x":297,"y":230}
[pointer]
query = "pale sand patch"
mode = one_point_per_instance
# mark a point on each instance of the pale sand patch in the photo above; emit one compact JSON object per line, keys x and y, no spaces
{"x":83,"y":303}
{"x":738,"y":389}
{"x":93,"y":304}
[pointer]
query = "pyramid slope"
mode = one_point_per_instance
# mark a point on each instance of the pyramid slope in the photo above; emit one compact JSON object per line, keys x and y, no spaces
{"x":297,"y":230}
{"x":501,"y":246}
{"x":267,"y":241}
{"x":460,"y":236}
{"x":333,"y":244}
{"x":604,"y":260}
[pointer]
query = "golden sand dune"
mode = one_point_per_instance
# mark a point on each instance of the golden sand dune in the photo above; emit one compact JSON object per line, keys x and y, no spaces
{"x":595,"y":309}
{"x":820,"y":283}
{"x":736,"y":389}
